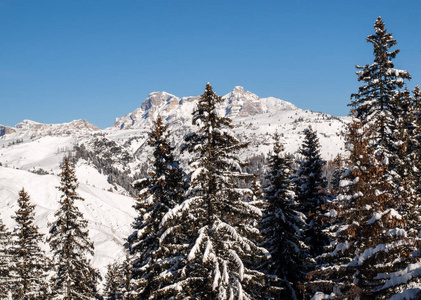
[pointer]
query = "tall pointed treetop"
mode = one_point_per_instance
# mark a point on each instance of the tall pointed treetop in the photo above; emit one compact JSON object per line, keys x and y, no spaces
{"x":69,"y":241}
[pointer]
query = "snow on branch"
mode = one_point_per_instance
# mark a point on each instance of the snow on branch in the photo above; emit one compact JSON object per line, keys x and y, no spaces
{"x":239,"y":263}
{"x":178,"y":209}
{"x":199,"y":240}
{"x":400,"y":277}
{"x":216,"y":277}
{"x":234,"y":234}
{"x":369,"y":252}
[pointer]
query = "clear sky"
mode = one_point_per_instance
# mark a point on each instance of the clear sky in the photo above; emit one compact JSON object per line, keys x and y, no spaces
{"x":97,"y":60}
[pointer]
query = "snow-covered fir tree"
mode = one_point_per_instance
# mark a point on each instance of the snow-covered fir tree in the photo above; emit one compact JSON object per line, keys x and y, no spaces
{"x":282,"y":224}
{"x":6,"y":261}
{"x":372,"y":255}
{"x":417,"y":137}
{"x":153,"y":248}
{"x":257,"y":193}
{"x":74,"y":278}
{"x":311,"y":191}
{"x":407,"y":163}
{"x":113,"y":282}
{"x":375,"y":250}
{"x":30,"y":265}
{"x":379,"y":107}
{"x":117,"y":281}
{"x":338,"y":169}
{"x":220,"y":226}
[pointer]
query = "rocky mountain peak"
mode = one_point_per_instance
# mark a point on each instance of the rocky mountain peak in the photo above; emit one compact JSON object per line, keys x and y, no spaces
{"x":6,"y":130}
{"x":157,"y":99}
{"x":238,"y":103}
{"x":242,"y":104}
{"x":32,"y":128}
{"x":27,"y":124}
{"x":156,"y":103}
{"x":238,"y":90}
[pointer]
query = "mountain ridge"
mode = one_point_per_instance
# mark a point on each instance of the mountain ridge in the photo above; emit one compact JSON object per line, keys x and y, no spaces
{"x":237,"y":104}
{"x":109,"y":160}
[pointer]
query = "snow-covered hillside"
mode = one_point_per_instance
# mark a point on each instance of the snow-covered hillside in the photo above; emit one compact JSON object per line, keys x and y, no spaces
{"x":110,"y":159}
{"x":109,"y":214}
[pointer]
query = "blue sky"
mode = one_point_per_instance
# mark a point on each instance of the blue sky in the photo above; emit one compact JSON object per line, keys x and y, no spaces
{"x":98,"y":60}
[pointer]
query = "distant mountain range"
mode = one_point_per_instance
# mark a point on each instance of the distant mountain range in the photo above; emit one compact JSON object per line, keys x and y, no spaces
{"x":109,"y":159}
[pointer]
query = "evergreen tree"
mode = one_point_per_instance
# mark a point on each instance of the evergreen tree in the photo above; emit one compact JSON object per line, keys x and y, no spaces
{"x":407,"y":163}
{"x":113,"y":282}
{"x":219,"y":225}
{"x":338,"y":170}
{"x":117,"y":281}
{"x":30,"y":262}
{"x":69,"y":241}
{"x":371,"y":246}
{"x":417,"y":139}
{"x":126,"y":269}
{"x":378,"y":104}
{"x":257,"y":193}
{"x":159,"y":192}
{"x":312,"y":192}
{"x":6,"y":261}
{"x":374,"y":252}
{"x":282,"y":224}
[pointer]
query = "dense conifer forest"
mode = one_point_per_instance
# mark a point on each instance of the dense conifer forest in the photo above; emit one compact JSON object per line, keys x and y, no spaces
{"x":218,"y":227}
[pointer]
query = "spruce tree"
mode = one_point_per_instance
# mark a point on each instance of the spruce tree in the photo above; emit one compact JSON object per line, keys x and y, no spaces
{"x":378,"y":105}
{"x":312,"y":193}
{"x":125,"y":271}
{"x":407,"y":163}
{"x":6,"y":261}
{"x":416,"y":139}
{"x":113,"y":282}
{"x":282,"y":224}
{"x":338,"y":169}
{"x":219,"y":225}
{"x":417,"y":136}
{"x":374,"y":251}
{"x":118,"y":282}
{"x":74,"y":276}
{"x":151,"y":244}
{"x":371,"y":246}
{"x":30,"y":262}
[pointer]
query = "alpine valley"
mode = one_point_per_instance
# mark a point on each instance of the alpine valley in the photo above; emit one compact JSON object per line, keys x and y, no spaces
{"x":109,"y":160}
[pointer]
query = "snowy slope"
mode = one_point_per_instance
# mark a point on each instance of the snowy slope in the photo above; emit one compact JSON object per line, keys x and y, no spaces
{"x":42,"y":152}
{"x":109,"y":214}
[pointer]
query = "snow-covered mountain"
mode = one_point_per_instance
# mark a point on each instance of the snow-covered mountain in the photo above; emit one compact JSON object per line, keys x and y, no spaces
{"x":255,"y":119}
{"x":237,"y":104}
{"x":28,"y":128}
{"x":108,"y":160}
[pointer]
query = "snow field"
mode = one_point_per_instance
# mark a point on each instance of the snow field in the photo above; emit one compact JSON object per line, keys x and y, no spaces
{"x":109,"y":215}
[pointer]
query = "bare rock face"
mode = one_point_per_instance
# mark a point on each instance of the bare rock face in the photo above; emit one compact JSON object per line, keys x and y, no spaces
{"x":6,"y":130}
{"x":176,"y":112}
{"x":242,"y":104}
{"x":238,"y":103}
{"x":157,"y":103}
{"x":39,"y":129}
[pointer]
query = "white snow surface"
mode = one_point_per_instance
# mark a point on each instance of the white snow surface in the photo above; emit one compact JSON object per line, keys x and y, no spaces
{"x":109,"y":215}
